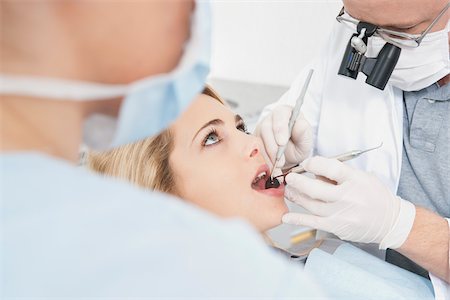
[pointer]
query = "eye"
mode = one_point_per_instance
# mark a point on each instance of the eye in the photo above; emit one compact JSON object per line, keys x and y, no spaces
{"x":242,"y":127}
{"x":211,"y":138}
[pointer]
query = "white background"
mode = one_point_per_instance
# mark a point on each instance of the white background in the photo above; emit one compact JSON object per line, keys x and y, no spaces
{"x":268,"y":41}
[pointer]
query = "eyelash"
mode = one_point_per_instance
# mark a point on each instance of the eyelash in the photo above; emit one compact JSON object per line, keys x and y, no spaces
{"x":242,"y":127}
{"x":213,"y":131}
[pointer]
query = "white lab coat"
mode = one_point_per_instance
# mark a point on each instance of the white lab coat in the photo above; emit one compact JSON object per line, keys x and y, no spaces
{"x":349,"y":114}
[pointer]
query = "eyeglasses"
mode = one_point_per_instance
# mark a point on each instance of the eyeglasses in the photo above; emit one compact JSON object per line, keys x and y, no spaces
{"x":397,"y":38}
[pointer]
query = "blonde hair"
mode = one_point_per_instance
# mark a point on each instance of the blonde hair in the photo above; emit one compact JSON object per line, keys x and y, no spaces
{"x":144,"y":163}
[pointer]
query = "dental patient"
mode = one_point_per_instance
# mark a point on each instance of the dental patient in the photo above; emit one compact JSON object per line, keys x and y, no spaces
{"x":207,"y":158}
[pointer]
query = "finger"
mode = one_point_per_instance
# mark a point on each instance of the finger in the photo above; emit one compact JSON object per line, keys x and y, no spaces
{"x":326,"y":179}
{"x":316,"y":207}
{"x":293,"y":195}
{"x":280,"y":124}
{"x":281,"y":162}
{"x":300,"y":144}
{"x":270,"y":162}
{"x":305,"y":220}
{"x":329,"y":167}
{"x":302,"y":136}
{"x":313,"y":188}
{"x":293,"y":155}
{"x":268,"y":139}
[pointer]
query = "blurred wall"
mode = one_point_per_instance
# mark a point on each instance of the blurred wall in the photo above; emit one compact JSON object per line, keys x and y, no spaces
{"x":268,"y":41}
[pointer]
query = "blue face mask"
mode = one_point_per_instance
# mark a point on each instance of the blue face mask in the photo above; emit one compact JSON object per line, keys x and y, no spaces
{"x":149,"y":105}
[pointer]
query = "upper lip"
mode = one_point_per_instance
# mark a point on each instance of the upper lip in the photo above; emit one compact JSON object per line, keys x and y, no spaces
{"x":263,"y":168}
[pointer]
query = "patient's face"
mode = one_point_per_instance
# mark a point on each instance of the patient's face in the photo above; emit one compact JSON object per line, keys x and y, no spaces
{"x":216,"y":165}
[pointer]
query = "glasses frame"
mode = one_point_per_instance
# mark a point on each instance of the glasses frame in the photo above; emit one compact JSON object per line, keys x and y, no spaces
{"x":384,"y":33}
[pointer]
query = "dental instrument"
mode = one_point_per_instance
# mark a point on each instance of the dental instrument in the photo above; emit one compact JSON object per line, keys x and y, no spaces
{"x":341,"y":157}
{"x":271,"y":181}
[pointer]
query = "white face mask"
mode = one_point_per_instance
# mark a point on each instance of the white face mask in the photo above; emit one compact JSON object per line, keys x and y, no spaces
{"x":149,"y":105}
{"x":420,"y":67}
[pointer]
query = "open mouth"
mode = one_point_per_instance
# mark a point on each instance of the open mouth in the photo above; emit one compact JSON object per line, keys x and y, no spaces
{"x":259,"y":182}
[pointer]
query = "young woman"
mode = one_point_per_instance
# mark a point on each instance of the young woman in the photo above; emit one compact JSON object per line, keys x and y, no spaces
{"x":206,"y":157}
{"x":209,"y":159}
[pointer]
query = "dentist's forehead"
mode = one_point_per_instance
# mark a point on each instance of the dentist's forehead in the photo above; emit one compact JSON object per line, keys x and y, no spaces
{"x":394,"y":13}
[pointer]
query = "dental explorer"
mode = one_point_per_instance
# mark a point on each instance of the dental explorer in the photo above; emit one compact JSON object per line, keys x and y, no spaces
{"x":271,"y":181}
{"x":341,"y":157}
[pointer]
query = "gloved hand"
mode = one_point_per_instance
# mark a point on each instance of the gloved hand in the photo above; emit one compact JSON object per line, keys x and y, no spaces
{"x":357,"y":208}
{"x":274,"y":132}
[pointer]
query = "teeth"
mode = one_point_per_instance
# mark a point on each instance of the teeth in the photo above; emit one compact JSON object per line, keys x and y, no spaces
{"x":260,"y":176}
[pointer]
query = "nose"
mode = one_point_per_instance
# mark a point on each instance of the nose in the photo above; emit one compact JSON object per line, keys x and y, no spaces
{"x":253,"y":147}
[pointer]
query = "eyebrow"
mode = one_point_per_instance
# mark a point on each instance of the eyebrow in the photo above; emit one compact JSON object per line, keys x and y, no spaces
{"x":237,"y":119}
{"x":390,"y":26}
{"x":212,"y":122}
{"x":399,"y":27}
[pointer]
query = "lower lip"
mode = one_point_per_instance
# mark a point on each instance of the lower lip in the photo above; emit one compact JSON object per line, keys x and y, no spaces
{"x":278,"y":192}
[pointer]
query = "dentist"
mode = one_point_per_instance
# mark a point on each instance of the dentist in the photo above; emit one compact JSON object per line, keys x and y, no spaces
{"x":68,"y":233}
{"x":398,"y":196}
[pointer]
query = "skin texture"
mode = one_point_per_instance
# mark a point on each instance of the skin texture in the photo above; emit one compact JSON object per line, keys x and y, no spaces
{"x":89,"y":40}
{"x":218,"y":177}
{"x":409,"y":16}
{"x":428,"y":243}
{"x":83,"y":40}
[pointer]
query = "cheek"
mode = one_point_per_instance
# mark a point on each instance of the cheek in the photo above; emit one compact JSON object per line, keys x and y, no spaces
{"x":222,"y":187}
{"x":215,"y":176}
{"x":220,"y":184}
{"x":186,"y":179}
{"x":212,"y":183}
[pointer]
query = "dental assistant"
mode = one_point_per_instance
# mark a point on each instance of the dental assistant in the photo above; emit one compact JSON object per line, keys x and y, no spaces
{"x":402,"y":200}
{"x":68,"y":233}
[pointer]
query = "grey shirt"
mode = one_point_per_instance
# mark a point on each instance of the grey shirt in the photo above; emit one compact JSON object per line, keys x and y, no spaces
{"x":425,"y":178}
{"x":425,"y":173}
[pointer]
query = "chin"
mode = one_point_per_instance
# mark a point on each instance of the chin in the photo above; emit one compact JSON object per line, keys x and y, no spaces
{"x":270,"y":216}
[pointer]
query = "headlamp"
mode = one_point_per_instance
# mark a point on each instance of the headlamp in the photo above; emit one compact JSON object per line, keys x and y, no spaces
{"x":377,"y":69}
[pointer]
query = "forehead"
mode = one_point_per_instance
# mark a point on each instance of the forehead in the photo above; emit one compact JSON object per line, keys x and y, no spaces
{"x":394,"y":13}
{"x":201,"y":111}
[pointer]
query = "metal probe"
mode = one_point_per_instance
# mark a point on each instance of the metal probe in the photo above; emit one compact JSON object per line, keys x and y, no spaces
{"x":292,"y":119}
{"x":341,"y":157}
